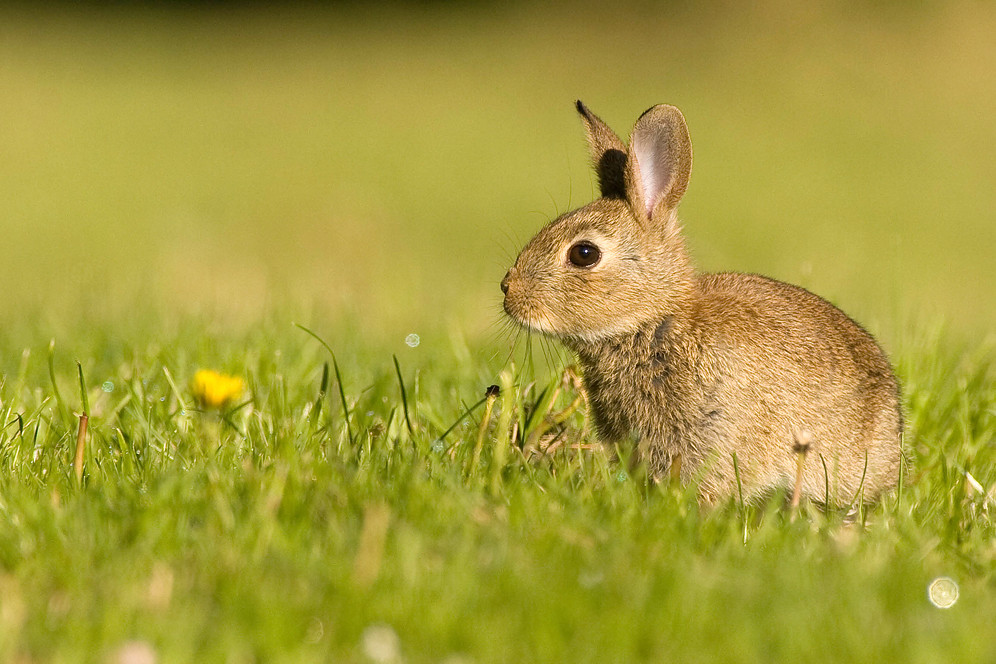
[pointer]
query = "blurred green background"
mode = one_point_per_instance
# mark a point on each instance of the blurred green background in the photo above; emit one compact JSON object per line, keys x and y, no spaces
{"x":390,"y":162}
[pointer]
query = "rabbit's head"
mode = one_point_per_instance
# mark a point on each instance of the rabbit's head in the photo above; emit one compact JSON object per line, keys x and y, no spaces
{"x":618,"y":263}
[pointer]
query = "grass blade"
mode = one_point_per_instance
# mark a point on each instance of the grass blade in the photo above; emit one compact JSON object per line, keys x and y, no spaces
{"x":740,"y":495}
{"x":466,"y":414}
{"x":404,"y":396}
{"x":176,"y":390}
{"x":490,"y":395}
{"x":81,"y":431}
{"x":61,"y":405}
{"x":322,"y":391}
{"x":338,"y":378}
{"x":500,"y":456}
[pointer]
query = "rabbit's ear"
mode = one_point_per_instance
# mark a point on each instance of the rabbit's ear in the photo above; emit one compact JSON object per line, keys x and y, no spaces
{"x":660,"y":161}
{"x":608,"y":154}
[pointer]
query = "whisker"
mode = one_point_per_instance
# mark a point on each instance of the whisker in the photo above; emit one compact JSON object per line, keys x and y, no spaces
{"x":556,"y":358}
{"x":511,"y":350}
{"x":511,"y":244}
{"x":527,"y":360}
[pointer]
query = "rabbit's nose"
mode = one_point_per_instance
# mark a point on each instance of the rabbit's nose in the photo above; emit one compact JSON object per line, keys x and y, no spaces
{"x":504,"y":282}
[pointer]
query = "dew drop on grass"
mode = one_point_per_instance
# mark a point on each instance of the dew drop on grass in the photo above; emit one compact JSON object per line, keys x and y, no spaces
{"x":108,"y":386}
{"x":943,"y":592}
{"x":412,"y":340}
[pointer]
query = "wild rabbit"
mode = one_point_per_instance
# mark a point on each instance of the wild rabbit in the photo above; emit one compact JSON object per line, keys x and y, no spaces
{"x":699,"y":369}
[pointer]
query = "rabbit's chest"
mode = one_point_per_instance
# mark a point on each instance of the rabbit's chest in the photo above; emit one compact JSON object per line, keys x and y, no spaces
{"x":647,"y":395}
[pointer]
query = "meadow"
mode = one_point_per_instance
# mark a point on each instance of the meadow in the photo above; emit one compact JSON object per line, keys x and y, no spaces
{"x":322,"y":201}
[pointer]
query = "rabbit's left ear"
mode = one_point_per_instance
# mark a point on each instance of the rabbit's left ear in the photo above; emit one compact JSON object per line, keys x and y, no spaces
{"x":608,"y":154}
{"x":659,"y":162}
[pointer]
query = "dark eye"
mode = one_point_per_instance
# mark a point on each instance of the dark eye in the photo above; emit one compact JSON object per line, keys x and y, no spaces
{"x":584,"y":254}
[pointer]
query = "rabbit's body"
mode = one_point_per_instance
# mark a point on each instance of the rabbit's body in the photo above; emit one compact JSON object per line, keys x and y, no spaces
{"x":705,"y":386}
{"x":701,"y":368}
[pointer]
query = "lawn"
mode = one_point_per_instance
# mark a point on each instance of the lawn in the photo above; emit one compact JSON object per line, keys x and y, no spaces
{"x":251,"y":190}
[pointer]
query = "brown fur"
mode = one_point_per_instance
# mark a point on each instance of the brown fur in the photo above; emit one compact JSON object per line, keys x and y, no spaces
{"x":701,"y":368}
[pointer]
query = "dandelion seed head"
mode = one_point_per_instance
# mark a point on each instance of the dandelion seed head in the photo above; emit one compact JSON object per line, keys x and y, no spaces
{"x":108,"y":386}
{"x":412,"y":340}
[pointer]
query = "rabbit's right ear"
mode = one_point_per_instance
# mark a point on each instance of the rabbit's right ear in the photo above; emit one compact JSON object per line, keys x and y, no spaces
{"x":659,"y":162}
{"x":608,"y":154}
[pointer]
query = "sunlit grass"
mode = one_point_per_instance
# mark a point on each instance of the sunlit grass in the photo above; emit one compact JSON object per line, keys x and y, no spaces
{"x":270,"y":530}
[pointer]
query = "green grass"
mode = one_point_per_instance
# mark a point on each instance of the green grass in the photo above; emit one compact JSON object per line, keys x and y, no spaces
{"x":179,"y":186}
{"x":267,"y":535}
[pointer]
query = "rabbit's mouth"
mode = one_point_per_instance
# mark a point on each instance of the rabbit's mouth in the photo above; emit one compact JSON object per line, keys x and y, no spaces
{"x":528,"y":317}
{"x":523,"y":309}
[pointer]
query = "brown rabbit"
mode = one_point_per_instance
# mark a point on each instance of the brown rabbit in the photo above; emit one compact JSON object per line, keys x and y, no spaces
{"x":700,"y":369}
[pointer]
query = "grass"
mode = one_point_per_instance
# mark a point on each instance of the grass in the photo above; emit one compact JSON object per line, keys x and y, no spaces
{"x":181,"y":186}
{"x":264,"y":533}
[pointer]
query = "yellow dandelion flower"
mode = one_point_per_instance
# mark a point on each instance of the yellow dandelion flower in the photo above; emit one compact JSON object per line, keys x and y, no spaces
{"x":214,"y":390}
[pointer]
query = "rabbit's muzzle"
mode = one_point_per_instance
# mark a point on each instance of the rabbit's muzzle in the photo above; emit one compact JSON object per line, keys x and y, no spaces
{"x":516,"y":302}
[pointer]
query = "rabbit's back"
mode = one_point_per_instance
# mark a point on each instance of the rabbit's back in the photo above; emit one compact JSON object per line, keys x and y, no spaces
{"x":782,"y":361}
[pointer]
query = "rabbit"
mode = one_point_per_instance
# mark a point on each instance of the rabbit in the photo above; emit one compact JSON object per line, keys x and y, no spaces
{"x":714,"y":377}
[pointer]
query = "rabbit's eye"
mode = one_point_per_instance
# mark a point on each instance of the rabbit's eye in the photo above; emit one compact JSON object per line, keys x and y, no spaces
{"x":584,"y":254}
